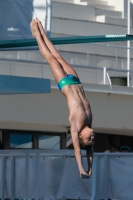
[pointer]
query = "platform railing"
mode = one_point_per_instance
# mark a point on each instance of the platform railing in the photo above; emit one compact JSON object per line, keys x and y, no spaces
{"x":100,"y":160}
{"x":116,"y":49}
{"x":26,"y":56}
{"x":105,"y":71}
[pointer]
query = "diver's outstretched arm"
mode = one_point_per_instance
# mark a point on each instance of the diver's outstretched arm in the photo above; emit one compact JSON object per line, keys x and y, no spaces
{"x":77,"y":151}
{"x":89,"y":154}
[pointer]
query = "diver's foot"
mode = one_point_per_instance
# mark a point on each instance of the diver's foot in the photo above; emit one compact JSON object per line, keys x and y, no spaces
{"x":42,"y":31}
{"x":34,"y":28}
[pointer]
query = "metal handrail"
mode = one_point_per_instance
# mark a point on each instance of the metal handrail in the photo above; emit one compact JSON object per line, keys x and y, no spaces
{"x":57,"y":153}
{"x":49,"y":18}
{"x":65,"y":40}
{"x":115,"y":46}
{"x":74,"y":65}
{"x":104,"y":69}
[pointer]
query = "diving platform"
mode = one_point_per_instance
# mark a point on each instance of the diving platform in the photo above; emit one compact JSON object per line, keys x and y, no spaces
{"x":23,"y":85}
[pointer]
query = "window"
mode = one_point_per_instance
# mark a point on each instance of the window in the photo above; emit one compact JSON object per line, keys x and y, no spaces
{"x":48,"y":142}
{"x":1,"y":140}
{"x":19,"y":140}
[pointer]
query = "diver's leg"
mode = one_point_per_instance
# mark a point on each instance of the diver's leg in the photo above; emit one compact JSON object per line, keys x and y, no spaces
{"x":55,"y":66}
{"x":67,"y":68}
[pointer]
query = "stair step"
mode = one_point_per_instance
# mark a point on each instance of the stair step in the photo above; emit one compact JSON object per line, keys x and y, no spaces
{"x":64,"y":1}
{"x":112,"y":20}
{"x":110,"y":13}
{"x":60,"y":10}
{"x":104,"y":7}
{"x":71,"y":2}
{"x":78,"y":28}
{"x":96,"y":2}
{"x":98,"y":11}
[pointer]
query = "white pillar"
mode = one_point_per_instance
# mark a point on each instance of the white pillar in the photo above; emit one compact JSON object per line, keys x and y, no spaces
{"x":128,"y":43}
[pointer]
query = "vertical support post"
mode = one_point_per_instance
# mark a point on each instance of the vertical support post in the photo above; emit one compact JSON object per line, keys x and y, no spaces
{"x":104,"y":75}
{"x":88,"y":54}
{"x":42,"y":70}
{"x":12,"y":178}
{"x":106,"y":178}
{"x":37,"y":176}
{"x":10,"y":67}
{"x":128,"y":44}
{"x":116,"y":58}
{"x":95,"y":179}
{"x":132,"y":79}
{"x":109,"y":78}
{"x":3,"y":177}
{"x":26,"y":55}
{"x":49,"y":17}
{"x":27,"y":176}
{"x":63,"y":140}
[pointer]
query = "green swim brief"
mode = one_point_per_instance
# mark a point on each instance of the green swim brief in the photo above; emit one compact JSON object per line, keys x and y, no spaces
{"x":70,"y":79}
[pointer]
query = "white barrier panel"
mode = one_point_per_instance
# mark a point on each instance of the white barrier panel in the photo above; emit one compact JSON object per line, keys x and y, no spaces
{"x":54,"y":174}
{"x":16,"y":15}
{"x":57,"y":178}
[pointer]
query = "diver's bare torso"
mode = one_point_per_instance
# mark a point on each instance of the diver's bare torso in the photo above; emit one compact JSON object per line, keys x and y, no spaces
{"x":79,"y":108}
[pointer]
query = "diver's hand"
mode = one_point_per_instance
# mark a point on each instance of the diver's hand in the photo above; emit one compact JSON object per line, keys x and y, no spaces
{"x":89,"y":173}
{"x":84,"y":175}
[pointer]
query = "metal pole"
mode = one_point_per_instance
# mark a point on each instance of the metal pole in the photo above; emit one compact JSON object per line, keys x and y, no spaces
{"x":10,"y":67}
{"x":12,"y":178}
{"x":95,"y":179}
{"x":49,"y":17}
{"x":106,"y":178}
{"x":87,"y":54}
{"x":37,"y":176}
{"x":27,"y":176}
{"x":128,"y":44}
{"x":104,"y":75}
{"x":116,"y":59}
{"x":26,"y":55}
{"x":3,"y":177}
{"x":109,"y":78}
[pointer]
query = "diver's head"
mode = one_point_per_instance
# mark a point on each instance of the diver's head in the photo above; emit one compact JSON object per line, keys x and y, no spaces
{"x":86,"y":138}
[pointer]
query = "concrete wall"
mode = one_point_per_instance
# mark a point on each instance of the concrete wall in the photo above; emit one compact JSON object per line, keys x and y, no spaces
{"x":112,"y":113}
